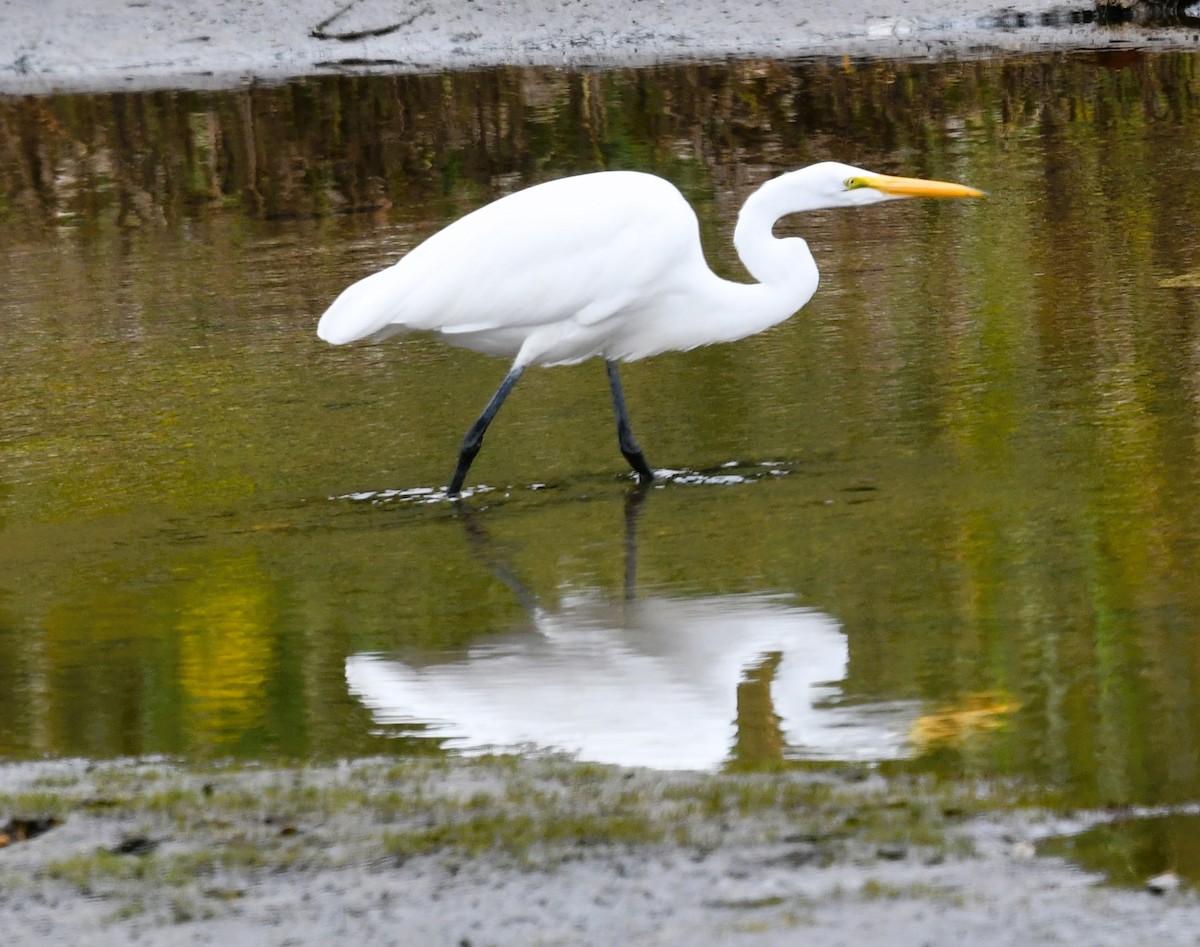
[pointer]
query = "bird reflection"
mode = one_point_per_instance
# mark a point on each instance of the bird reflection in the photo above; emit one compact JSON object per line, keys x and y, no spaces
{"x":664,"y":682}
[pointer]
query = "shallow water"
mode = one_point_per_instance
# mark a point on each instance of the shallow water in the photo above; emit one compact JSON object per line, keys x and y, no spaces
{"x":946,"y":517}
{"x":1130,"y":852}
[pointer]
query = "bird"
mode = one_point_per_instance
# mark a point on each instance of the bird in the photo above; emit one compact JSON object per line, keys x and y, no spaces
{"x":605,"y":264}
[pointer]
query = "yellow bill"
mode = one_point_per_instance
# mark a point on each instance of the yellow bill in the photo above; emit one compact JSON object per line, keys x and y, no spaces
{"x":916,"y":187}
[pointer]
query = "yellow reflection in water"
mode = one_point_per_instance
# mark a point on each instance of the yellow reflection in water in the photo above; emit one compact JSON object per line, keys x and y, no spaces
{"x":958,"y":723}
{"x":225,"y":652}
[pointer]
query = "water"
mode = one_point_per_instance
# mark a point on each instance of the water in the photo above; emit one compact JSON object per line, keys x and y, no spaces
{"x":1132,"y":851}
{"x":947,"y":517}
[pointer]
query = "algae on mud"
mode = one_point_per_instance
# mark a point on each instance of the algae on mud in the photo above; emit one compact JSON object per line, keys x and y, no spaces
{"x":506,"y":849}
{"x":198,"y":824}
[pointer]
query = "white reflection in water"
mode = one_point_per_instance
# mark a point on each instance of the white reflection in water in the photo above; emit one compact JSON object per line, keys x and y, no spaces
{"x":669,"y":683}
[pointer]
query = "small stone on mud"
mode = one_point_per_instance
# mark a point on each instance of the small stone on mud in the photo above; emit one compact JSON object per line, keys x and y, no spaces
{"x":1165,"y":883}
{"x":135,"y":845}
{"x":797,"y":857}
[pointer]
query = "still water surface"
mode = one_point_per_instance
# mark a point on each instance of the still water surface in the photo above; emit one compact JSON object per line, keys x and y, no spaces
{"x":947,"y":517}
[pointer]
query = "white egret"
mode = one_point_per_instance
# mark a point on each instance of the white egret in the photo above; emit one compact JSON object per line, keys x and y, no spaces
{"x":606,"y":264}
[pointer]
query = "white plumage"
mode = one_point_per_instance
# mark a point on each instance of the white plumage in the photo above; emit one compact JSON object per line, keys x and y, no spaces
{"x":606,"y":264}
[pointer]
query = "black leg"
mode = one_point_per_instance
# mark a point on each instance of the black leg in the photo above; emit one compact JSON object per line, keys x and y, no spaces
{"x":635,"y":499}
{"x":474,"y":439}
{"x":629,"y":446}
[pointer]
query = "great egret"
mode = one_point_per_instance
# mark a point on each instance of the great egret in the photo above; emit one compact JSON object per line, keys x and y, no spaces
{"x":606,"y":264}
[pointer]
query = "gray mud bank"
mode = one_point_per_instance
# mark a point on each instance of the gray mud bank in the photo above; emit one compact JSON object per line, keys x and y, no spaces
{"x":508,"y":851}
{"x":60,"y":45}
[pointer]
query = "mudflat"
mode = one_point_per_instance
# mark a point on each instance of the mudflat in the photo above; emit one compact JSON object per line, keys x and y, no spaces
{"x":57,"y":45}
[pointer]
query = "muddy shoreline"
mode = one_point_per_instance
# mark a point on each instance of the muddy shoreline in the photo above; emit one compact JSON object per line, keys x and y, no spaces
{"x":546,"y":851}
{"x":55,"y":46}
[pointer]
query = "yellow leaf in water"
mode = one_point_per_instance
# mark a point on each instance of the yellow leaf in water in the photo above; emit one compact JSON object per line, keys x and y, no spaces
{"x":1183,"y":281}
{"x":955,"y":723}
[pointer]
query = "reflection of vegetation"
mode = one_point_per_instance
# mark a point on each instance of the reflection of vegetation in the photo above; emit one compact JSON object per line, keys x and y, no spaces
{"x":1016,"y":383}
{"x":976,"y":715}
{"x":759,"y":743}
{"x":1131,"y":851}
{"x":225,"y":649}
{"x":322,"y":145}
{"x":16,"y":673}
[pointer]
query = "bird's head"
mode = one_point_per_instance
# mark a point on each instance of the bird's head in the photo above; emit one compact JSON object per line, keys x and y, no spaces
{"x":819,"y":186}
{"x":832,"y":184}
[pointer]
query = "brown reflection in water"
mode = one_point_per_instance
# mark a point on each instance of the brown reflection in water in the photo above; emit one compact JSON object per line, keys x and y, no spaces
{"x":759,"y":743}
{"x":326,"y":145}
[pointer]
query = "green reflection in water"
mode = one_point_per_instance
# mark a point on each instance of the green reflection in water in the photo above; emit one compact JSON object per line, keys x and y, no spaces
{"x":1132,"y":851}
{"x":987,"y":417}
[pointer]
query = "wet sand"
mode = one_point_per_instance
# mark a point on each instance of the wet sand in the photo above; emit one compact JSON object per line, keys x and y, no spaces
{"x":512,"y":852}
{"x":59,"y":45}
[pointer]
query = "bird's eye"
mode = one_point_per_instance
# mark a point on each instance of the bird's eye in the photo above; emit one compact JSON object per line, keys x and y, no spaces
{"x":853,"y":184}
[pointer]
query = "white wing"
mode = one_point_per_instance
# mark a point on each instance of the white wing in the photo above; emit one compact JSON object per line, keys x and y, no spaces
{"x":575,"y":251}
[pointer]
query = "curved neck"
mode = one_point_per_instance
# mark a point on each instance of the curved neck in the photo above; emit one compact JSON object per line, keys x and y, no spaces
{"x":721,"y":310}
{"x":786,"y":266}
{"x":768,"y":259}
